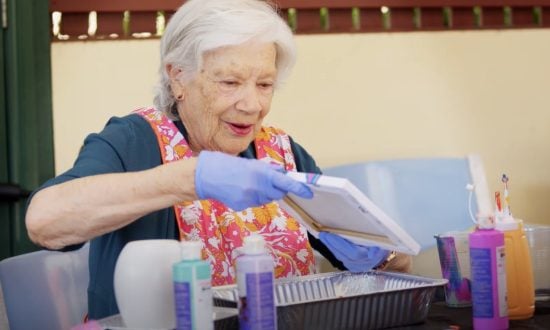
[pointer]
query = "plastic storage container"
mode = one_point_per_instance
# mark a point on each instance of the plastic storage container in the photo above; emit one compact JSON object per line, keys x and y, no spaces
{"x":538,"y":237}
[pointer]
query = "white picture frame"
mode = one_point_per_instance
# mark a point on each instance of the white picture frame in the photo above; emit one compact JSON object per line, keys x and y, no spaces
{"x":339,"y":207}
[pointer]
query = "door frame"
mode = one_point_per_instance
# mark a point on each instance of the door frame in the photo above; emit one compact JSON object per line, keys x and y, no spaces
{"x":28,"y":107}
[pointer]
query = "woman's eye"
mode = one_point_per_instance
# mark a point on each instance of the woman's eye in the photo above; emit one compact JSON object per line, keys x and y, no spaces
{"x":229,"y":83}
{"x":265,"y":85}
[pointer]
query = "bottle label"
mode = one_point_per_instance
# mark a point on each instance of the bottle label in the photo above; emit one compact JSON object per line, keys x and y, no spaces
{"x":193,"y":307}
{"x":501,"y":275}
{"x":257,"y":307}
{"x":182,"y":293}
{"x":484,"y":285}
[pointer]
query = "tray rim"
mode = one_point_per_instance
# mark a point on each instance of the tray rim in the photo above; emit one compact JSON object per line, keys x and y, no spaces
{"x":429,"y":283}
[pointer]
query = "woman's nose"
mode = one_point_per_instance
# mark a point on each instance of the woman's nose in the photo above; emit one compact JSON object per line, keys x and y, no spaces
{"x":249,"y":99}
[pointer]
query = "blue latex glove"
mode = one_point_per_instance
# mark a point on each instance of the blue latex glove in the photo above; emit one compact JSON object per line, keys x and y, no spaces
{"x":356,"y":258}
{"x":241,"y":183}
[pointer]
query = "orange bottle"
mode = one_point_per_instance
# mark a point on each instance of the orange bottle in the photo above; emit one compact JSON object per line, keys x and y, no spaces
{"x":519,"y":270}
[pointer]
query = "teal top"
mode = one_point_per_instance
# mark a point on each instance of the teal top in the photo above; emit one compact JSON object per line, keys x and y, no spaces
{"x":129,"y":144}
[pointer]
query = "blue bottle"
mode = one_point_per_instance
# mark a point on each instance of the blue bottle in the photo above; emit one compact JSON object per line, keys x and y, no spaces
{"x":193,"y":289}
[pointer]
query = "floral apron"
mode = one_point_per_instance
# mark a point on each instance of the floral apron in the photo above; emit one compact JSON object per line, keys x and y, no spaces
{"x":221,"y":229}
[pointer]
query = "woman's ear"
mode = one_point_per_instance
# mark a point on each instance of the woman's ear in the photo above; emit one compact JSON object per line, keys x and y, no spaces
{"x":175,"y":75}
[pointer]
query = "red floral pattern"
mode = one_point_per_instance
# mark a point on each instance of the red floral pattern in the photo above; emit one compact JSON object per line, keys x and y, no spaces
{"x":222,"y":230}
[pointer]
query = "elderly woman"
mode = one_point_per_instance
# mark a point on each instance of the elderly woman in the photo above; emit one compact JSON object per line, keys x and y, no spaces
{"x":199,"y":165}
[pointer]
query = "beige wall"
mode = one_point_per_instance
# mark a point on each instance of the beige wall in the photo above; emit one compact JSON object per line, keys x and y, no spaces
{"x":361,"y":97}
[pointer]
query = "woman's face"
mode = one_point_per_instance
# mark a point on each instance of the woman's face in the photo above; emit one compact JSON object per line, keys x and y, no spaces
{"x":223,"y":106}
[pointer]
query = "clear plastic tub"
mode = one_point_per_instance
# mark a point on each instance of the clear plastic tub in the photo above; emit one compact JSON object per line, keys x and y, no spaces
{"x":539,"y":244}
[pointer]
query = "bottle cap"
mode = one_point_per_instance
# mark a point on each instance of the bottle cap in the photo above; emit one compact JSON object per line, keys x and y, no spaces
{"x":485,"y":221}
{"x":191,"y":250}
{"x":506,"y":222}
{"x":253,"y":244}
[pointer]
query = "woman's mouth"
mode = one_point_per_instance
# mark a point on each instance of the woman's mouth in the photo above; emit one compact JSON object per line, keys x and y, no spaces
{"x":240,"y":129}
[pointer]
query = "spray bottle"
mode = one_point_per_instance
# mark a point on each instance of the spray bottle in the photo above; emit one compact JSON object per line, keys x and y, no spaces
{"x":255,"y":285}
{"x":193,"y":289}
{"x":519,"y":270}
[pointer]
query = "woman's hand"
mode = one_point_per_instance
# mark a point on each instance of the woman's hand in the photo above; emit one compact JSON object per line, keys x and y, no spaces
{"x":356,"y":258}
{"x":361,"y":258}
{"x":242,"y":183}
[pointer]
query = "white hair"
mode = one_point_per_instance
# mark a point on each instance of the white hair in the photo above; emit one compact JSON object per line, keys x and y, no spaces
{"x":203,"y":25}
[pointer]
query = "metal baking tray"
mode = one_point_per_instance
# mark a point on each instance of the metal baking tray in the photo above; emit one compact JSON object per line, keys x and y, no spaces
{"x":344,"y":300}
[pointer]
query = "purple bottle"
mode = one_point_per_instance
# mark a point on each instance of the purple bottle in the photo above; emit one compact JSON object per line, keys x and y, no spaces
{"x":255,"y":285}
{"x":488,"y":270}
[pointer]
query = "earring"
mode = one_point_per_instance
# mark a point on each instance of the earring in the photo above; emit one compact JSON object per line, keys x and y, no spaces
{"x":174,"y":110}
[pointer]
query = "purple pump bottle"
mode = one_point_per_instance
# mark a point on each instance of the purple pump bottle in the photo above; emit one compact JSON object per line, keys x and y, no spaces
{"x":255,"y":280}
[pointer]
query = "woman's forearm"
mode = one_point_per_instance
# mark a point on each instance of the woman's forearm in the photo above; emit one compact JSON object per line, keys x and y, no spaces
{"x":81,"y":209}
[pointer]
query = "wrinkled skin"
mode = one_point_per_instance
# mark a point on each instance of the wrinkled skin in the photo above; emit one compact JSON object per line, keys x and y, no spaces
{"x":224,"y":104}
